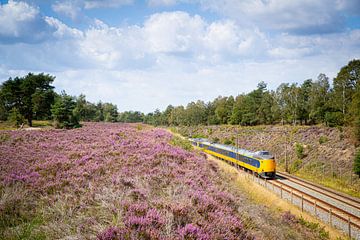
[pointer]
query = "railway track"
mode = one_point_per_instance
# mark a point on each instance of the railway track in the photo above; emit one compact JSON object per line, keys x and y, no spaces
{"x":340,"y":197}
{"x":325,"y":203}
{"x":337,"y":209}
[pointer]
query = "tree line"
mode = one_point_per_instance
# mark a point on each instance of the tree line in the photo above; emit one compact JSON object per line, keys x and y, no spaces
{"x":315,"y":101}
{"x":311,"y":102}
{"x":32,"y":97}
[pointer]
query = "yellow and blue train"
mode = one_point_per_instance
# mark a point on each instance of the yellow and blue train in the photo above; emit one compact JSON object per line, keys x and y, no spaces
{"x":261,"y":162}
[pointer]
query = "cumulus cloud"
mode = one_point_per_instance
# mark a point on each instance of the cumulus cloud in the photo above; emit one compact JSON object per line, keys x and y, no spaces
{"x":21,"y":22}
{"x":171,"y":57}
{"x":173,"y":31}
{"x":71,"y":9}
{"x":297,"y":17}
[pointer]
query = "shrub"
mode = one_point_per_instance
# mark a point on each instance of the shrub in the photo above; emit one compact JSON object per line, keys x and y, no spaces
{"x":15,"y":118}
{"x":357,"y":163}
{"x":296,"y":165}
{"x":334,"y":119}
{"x":299,"y":150}
{"x":323,"y":139}
{"x":179,"y":142}
{"x":228,"y":142}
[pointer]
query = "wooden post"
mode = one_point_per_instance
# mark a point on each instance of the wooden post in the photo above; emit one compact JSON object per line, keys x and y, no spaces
{"x":349,"y":227}
{"x":330,"y":217}
{"x":281,"y":190}
{"x":315,"y":208}
{"x":291,"y":196}
{"x":302,"y":202}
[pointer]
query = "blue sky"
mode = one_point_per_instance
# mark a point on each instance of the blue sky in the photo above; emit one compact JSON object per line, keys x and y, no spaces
{"x":143,"y":55}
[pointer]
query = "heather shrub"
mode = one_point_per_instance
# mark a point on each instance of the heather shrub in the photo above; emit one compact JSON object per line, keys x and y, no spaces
{"x":114,"y":182}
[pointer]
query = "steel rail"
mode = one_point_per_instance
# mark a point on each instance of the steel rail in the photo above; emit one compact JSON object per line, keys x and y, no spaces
{"x":334,"y":195}
{"x":317,"y":200}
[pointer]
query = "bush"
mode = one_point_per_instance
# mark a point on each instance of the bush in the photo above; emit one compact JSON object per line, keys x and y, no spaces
{"x":299,"y":150}
{"x":63,"y":112}
{"x":296,"y":165}
{"x":228,"y":142}
{"x":357,"y":163}
{"x":15,"y":118}
{"x":334,"y":119}
{"x":179,"y":142}
{"x":323,"y":139}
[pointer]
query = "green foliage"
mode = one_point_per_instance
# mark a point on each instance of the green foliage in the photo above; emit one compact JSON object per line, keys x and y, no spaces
{"x":179,"y":142}
{"x":299,"y":150}
{"x":323,"y":139}
{"x":198,"y":135}
{"x":15,"y":117}
{"x":228,"y":142}
{"x":296,"y":165}
{"x":131,"y":117}
{"x":32,"y":95}
{"x":63,"y":112}
{"x":357,"y":163}
{"x":4,"y":137}
{"x":333,"y":119}
{"x":315,"y":227}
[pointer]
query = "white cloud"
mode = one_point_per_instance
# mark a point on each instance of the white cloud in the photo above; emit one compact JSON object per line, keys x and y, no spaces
{"x":155,"y":3}
{"x":71,"y":9}
{"x":300,"y":17}
{"x":173,"y":31}
{"x":62,"y":30}
{"x":89,"y":4}
{"x":21,"y":22}
{"x":171,"y":58}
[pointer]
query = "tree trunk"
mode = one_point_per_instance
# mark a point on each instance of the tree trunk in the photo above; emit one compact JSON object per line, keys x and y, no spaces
{"x":30,"y":122}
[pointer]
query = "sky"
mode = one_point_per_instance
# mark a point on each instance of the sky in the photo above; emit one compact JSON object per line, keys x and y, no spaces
{"x":144,"y":55}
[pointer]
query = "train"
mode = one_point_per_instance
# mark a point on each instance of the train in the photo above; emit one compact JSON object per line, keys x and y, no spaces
{"x":261,"y":163}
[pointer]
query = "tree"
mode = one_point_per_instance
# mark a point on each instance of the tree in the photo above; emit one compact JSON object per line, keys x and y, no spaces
{"x":85,"y":109}
{"x":32,"y":95}
{"x":110,"y":112}
{"x":319,"y":97}
{"x":63,"y":112}
{"x":304,"y":101}
{"x":345,"y":85}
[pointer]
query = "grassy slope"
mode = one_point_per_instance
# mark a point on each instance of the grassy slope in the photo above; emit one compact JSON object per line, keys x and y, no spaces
{"x":327,"y":152}
{"x":132,"y":181}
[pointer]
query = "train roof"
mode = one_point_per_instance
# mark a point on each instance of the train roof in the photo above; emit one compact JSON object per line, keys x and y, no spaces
{"x":234,"y":149}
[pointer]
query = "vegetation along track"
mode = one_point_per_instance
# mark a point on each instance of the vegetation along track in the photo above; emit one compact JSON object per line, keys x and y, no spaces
{"x":324,"y":201}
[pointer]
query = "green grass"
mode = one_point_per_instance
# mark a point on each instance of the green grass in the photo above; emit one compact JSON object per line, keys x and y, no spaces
{"x":42,"y":123}
{"x":315,"y":227}
{"x":6,"y":126}
{"x":36,"y":123}
{"x":338,"y":184}
{"x":179,"y":142}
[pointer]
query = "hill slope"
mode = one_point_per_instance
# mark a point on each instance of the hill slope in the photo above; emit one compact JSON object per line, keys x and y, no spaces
{"x":119,"y":181}
{"x":322,"y":154}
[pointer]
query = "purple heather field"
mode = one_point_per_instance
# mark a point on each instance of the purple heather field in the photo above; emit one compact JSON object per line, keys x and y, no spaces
{"x":120,"y":181}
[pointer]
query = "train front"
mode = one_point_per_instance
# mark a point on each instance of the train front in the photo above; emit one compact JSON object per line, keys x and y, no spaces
{"x":267,"y":167}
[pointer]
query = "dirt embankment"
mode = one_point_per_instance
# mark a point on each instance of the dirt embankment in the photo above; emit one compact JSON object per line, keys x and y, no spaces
{"x":322,"y":154}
